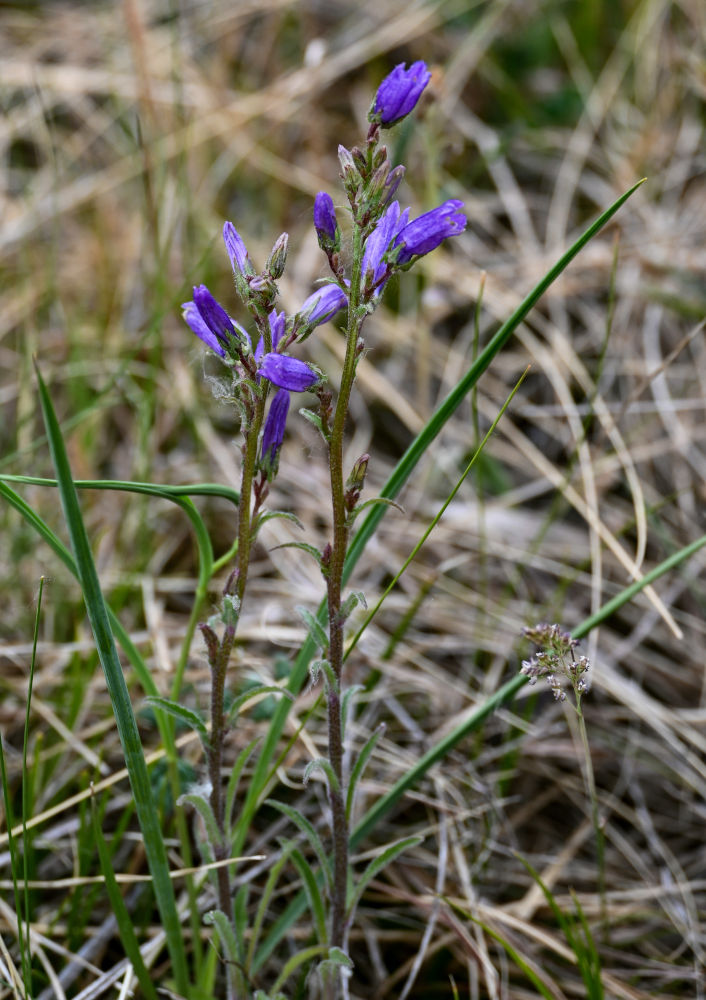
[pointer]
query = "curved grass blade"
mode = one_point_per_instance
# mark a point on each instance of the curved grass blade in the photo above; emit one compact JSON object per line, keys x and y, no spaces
{"x":506,"y":692}
{"x":119,"y":696}
{"x":401,"y":474}
{"x":60,"y":550}
{"x":126,"y":929}
{"x":313,"y":894}
{"x":181,"y":496}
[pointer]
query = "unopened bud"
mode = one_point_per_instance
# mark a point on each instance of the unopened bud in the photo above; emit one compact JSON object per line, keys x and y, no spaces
{"x":358,"y":473}
{"x":393,"y":181}
{"x":278,"y":257}
{"x":376,"y":186}
{"x":345,"y":158}
{"x":380,"y":157}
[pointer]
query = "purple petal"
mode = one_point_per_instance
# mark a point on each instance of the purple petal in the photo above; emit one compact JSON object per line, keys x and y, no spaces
{"x":273,"y":434}
{"x":288,"y":373}
{"x":277,"y":327}
{"x":399,"y":92}
{"x":323,"y":305}
{"x":379,"y":242}
{"x":236,"y":249}
{"x":195,"y":321}
{"x":214,"y":315}
{"x":427,"y":231}
{"x":325,"y":216}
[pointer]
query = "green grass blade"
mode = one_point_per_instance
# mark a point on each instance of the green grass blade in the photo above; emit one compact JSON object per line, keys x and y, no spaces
{"x":126,"y":929}
{"x":181,"y":496}
{"x":130,"y":486}
{"x":124,"y":715}
{"x":60,"y":550}
{"x":399,"y":476}
{"x":313,"y":894}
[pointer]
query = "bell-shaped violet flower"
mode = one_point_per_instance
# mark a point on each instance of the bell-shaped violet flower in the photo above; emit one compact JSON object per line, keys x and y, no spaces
{"x":373,"y":269}
{"x":398,"y":93}
{"x":287,"y":373}
{"x":426,"y":232}
{"x":322,"y":305}
{"x":210,"y":322}
{"x":194,"y":319}
{"x":273,"y":434}
{"x":325,"y":216}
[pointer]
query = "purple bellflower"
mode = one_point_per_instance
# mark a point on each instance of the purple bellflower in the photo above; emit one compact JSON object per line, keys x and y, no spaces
{"x":273,"y":434}
{"x":322,"y":305}
{"x":195,"y":321}
{"x":210,"y":322}
{"x":426,"y":232}
{"x":398,"y":93}
{"x":325,"y":221}
{"x":373,"y":269}
{"x":287,"y":373}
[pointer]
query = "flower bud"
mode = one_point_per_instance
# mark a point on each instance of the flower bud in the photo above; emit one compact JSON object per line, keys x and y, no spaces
{"x":278,"y":257}
{"x":348,"y":168}
{"x":237,"y":251}
{"x":376,"y":185}
{"x":398,"y":94}
{"x":393,"y":181}
{"x":326,"y":224}
{"x":273,"y":434}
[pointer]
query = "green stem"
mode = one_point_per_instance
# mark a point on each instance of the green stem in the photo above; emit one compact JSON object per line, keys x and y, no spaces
{"x":595,"y":817}
{"x":339,"y":821}
{"x":220,"y":661}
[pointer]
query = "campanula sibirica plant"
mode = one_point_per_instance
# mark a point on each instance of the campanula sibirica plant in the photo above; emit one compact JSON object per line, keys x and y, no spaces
{"x":384,"y":241}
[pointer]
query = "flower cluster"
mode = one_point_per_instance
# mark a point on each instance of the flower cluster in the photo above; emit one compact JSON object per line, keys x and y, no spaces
{"x":268,"y":360}
{"x":555,"y":661}
{"x":390,"y":242}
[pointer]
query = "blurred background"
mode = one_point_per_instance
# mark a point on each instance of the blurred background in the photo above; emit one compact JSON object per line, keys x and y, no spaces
{"x":129,"y":132}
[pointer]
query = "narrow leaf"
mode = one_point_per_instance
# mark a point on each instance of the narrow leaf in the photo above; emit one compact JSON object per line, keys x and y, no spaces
{"x":309,"y":832}
{"x":359,"y":767}
{"x":120,"y":699}
{"x":313,"y":894}
{"x":187,"y":715}
{"x":126,"y":927}
{"x":254,"y":694}
{"x":314,"y":627}
{"x":376,"y":866}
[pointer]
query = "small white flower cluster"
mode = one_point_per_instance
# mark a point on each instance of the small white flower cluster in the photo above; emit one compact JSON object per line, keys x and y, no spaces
{"x":555,"y":661}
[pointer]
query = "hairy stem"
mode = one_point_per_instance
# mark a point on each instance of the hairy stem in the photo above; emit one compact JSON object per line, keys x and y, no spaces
{"x":219,"y":663}
{"x":334,"y":587}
